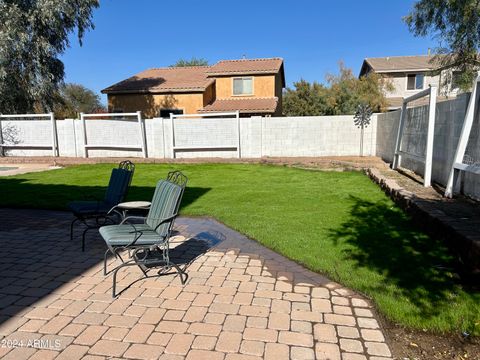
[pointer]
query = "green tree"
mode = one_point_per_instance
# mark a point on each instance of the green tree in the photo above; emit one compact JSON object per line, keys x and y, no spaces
{"x":456,"y":24}
{"x":347,"y":91}
{"x":74,"y":99}
{"x":306,"y":99}
{"x":192,"y":62}
{"x":33,"y":34}
{"x":342,"y":95}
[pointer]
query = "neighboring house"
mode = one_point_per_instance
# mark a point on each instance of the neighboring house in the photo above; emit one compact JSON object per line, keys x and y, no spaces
{"x":408,"y":75}
{"x":251,"y":86}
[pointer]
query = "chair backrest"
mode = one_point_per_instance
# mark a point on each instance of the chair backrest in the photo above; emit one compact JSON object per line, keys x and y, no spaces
{"x":130,"y":167}
{"x":118,"y":185}
{"x":166,"y":201}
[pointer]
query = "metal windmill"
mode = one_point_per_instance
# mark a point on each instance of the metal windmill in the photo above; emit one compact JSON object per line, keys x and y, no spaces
{"x":362,"y":119}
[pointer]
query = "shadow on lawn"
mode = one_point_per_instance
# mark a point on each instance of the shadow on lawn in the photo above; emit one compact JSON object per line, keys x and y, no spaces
{"x":22,"y":193}
{"x":382,"y":239}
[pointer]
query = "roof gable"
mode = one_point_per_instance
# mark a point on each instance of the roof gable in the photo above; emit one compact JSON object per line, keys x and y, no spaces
{"x":246,"y":67}
{"x":398,"y":64}
{"x":165,"y":80}
{"x":193,"y":78}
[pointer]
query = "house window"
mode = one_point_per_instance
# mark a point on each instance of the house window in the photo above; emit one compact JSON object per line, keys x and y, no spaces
{"x":415,"y":81}
{"x":165,"y":113}
{"x":243,"y":86}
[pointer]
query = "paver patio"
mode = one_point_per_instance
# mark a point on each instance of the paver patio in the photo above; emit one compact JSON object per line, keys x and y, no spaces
{"x":241,"y":301}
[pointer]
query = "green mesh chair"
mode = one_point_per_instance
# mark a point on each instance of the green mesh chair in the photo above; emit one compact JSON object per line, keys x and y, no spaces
{"x":95,"y":213}
{"x":147,"y":243}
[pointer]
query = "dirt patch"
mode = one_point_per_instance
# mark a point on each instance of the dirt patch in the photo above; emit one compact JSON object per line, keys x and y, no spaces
{"x":419,"y":345}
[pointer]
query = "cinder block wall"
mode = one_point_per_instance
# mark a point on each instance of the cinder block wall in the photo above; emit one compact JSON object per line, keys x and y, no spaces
{"x":259,"y":137}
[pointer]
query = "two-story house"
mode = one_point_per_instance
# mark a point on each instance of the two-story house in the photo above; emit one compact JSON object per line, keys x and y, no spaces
{"x":251,"y":86}
{"x":408,"y":75}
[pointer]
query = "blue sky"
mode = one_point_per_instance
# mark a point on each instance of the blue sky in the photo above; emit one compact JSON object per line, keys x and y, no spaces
{"x":311,"y":36}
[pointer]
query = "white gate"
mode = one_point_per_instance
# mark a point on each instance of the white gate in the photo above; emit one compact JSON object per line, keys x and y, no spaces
{"x":201,"y":132}
{"x":466,"y":160}
{"x":122,"y":141}
{"x":8,"y":141}
{"x":400,"y":150}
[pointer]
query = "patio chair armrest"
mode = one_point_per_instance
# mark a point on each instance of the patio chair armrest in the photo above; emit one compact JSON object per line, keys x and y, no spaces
{"x":133,"y":218}
{"x":164,"y":220}
{"x":135,"y":237}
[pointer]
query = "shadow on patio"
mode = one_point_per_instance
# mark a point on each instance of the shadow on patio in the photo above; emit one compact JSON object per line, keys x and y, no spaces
{"x":39,"y":260}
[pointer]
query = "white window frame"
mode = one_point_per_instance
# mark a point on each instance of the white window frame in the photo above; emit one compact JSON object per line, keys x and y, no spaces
{"x":414,"y":89}
{"x":243,"y":77}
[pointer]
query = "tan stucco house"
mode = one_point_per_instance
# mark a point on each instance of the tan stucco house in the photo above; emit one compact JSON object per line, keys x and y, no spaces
{"x":408,"y":75}
{"x":251,"y":86}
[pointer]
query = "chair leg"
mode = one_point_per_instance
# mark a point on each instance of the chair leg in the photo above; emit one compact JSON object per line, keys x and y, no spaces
{"x":83,"y":238}
{"x":105,"y":262}
{"x":71,"y":227}
{"x":181,"y":273}
{"x":114,"y":285}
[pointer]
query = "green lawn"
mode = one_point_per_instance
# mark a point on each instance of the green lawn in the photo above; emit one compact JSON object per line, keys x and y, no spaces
{"x":336,"y":223}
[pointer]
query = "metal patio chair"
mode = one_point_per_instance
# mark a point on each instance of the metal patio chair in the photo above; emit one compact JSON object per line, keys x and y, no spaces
{"x":147,"y":243}
{"x":96,"y":213}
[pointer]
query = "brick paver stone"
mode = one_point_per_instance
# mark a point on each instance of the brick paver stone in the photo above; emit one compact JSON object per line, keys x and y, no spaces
{"x":348,"y":332}
{"x":73,"y":352}
{"x":301,"y":353}
{"x":204,"y":342}
{"x":143,"y":352}
{"x":204,"y":355}
{"x":325,"y":333}
{"x":279,"y":321}
{"x":46,"y":355}
{"x":179,"y":344}
{"x":327,"y":351}
{"x":350,"y":345}
{"x":267,"y":335}
{"x":234,"y":323}
{"x":109,"y":348}
{"x":204,"y":329}
{"x":139,"y":333}
{"x":368,"y":323}
{"x":229,"y":342}
{"x":372,"y":335}
{"x":379,"y":349}
{"x":255,"y":348}
{"x":91,"y":335}
{"x":275,"y":351}
{"x":172,"y":327}
{"x":294,"y":338}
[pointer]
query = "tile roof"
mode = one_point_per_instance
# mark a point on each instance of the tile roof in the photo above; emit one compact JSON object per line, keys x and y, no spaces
{"x":246,"y":67}
{"x":397,"y":102}
{"x":164,"y":80}
{"x":244,"y":105}
{"x":400,"y":63}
